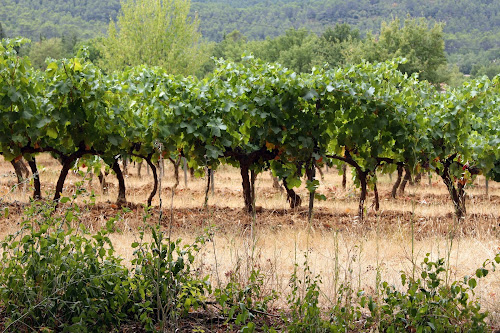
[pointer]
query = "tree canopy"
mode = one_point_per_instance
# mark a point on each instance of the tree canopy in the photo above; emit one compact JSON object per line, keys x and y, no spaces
{"x":421,"y":45}
{"x":155,"y":33}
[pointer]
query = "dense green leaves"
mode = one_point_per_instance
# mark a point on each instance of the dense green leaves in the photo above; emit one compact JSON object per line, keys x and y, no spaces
{"x":156,"y":33}
{"x":251,"y":114}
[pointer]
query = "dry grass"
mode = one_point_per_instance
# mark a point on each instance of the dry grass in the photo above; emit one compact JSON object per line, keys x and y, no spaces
{"x":339,"y":247}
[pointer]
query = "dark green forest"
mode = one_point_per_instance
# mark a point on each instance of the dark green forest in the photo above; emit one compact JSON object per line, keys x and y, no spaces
{"x":471,"y":28}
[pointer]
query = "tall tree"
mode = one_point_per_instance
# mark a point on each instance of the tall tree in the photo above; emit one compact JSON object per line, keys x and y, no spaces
{"x":156,"y":33}
{"x":421,"y":45}
{"x":2,"y":33}
{"x":46,"y":48}
{"x":335,"y":42}
{"x":295,"y":50}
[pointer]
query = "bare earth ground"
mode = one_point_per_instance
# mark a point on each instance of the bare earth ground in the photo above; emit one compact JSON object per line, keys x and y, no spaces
{"x":338,"y":246}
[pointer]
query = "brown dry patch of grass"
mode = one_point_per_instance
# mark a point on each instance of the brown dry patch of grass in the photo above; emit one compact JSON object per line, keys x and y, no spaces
{"x":339,"y":247}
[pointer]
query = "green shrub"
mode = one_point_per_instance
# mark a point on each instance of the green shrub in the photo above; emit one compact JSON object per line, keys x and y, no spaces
{"x":59,"y":277}
{"x":306,"y":315}
{"x":164,"y":286}
{"x":429,"y":305}
{"x":243,"y":302}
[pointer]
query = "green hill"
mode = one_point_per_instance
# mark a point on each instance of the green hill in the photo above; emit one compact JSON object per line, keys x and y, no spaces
{"x":471,"y":27}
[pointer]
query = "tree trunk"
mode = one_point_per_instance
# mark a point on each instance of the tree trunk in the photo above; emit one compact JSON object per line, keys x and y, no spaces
{"x":125,"y":167}
{"x":457,"y":195}
{"x":139,"y":167}
{"x":19,"y":171}
{"x":102,"y":182}
{"x":362,"y":197}
{"x":24,"y":169}
{"x":418,"y":178}
{"x":247,"y":188}
{"x":377,"y":200}
{"x":276,"y":183}
{"x":462,"y":211}
{"x":212,"y":184}
{"x":322,"y":175}
{"x":398,"y":181}
{"x":155,"y":177}
{"x":311,"y":173}
{"x":185,"y":167}
{"x":405,"y":181}
{"x":292,"y":197}
{"x":207,"y":189}
{"x":67,"y":162}
{"x":487,"y":186}
{"x":37,"y":193}
{"x":344,"y":175}
{"x":176,"y":163}
{"x":121,"y":199}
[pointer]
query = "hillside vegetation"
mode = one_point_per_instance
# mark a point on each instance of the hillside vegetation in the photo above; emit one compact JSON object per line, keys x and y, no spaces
{"x":472,"y":28}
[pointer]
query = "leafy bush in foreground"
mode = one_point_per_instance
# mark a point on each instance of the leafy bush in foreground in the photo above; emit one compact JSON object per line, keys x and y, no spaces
{"x":164,"y":286}
{"x":56,"y":277}
{"x":59,"y":277}
{"x":430,"y":305}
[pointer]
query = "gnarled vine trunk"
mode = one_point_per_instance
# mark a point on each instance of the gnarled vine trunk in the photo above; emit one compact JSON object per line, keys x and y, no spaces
{"x":67,"y":163}
{"x":248,"y":193}
{"x":155,"y":179}
{"x":344,"y":175}
{"x":398,"y":181}
{"x":457,"y":194}
{"x":362,"y":175}
{"x":21,"y":171}
{"x":377,"y":199}
{"x":121,"y":199}
{"x":292,"y":197}
{"x":405,"y":181}
{"x":37,"y":192}
{"x":311,"y":173}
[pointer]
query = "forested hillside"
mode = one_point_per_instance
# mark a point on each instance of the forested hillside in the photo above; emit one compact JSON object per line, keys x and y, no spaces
{"x":472,"y":28}
{"x":53,"y":18}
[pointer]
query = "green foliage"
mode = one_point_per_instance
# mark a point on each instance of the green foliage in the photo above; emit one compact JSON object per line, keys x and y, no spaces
{"x":252,"y":114}
{"x":295,"y":50}
{"x":155,"y":33}
{"x":335,"y":43}
{"x":305,"y":313}
{"x":429,"y":305}
{"x":423,"y":47}
{"x":19,"y":86}
{"x":164,"y":287}
{"x":2,"y":32}
{"x":471,"y":30}
{"x":48,"y":48}
{"x":65,"y":278}
{"x":49,"y":19}
{"x":244,"y":301}
{"x":62,"y":277}
{"x":38,"y":19}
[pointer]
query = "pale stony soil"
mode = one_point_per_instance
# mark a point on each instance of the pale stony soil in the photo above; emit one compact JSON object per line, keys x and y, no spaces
{"x":338,"y":246}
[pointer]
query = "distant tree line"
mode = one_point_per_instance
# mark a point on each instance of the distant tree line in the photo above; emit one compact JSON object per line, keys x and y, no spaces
{"x":471,"y":32}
